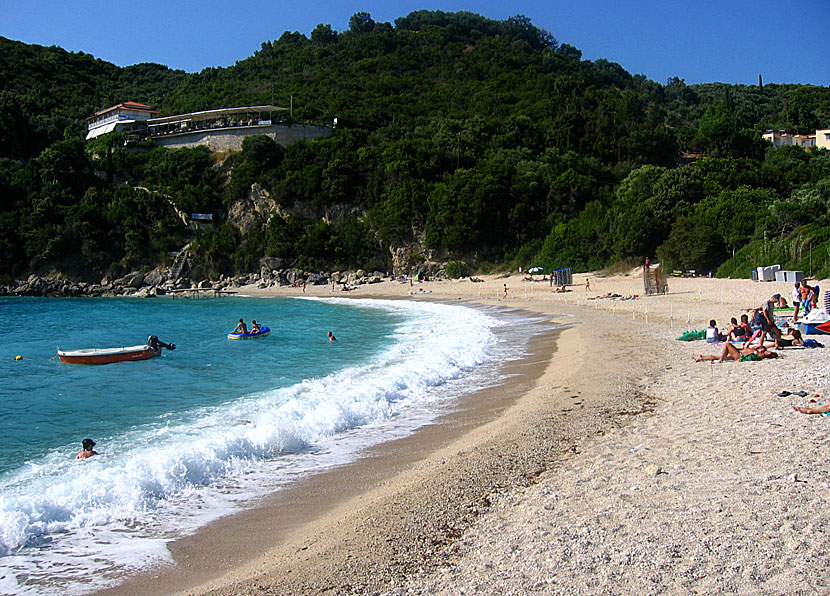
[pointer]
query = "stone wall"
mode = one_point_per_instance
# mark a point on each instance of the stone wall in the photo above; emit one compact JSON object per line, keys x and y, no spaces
{"x":230,"y":139}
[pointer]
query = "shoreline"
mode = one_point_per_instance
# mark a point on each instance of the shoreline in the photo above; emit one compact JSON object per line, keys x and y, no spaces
{"x":610,"y":455}
{"x":429,"y":463}
{"x":313,"y":503}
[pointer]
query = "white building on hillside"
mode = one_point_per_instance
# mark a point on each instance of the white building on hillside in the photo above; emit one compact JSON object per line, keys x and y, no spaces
{"x":823,"y":138}
{"x":128,"y":116}
{"x":782,"y":138}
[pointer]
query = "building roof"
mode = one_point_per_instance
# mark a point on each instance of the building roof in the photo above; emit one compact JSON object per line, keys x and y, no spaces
{"x":128,"y":105}
{"x":212,"y":114}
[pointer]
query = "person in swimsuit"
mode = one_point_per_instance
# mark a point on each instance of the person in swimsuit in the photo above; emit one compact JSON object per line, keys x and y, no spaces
{"x":255,"y":328}
{"x":736,"y":331}
{"x":793,"y":338}
{"x":331,"y":337}
{"x":819,"y":409}
{"x":241,"y":328}
{"x":87,"y":450}
{"x":730,"y":352}
{"x":804,"y":292}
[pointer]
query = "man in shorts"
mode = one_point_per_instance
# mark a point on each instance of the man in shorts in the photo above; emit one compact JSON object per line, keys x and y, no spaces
{"x":767,"y":321}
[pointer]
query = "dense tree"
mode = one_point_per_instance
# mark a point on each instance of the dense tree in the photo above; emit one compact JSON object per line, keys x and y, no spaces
{"x":477,"y":138}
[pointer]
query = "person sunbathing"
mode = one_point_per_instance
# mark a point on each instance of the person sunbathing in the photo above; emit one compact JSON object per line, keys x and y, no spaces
{"x":793,"y":338}
{"x":730,"y":352}
{"x":819,"y":409}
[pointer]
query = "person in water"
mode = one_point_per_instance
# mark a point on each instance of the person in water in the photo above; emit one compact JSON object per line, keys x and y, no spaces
{"x":331,"y":337}
{"x":241,"y":328}
{"x":255,"y":328}
{"x":87,"y":450}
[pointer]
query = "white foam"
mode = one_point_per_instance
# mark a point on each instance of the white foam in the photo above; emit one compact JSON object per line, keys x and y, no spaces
{"x":166,"y":480}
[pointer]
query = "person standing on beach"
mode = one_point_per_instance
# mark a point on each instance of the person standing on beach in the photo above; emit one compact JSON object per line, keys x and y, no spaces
{"x":505,"y":291}
{"x":587,"y":284}
{"x":765,"y":319}
{"x":796,"y":301}
{"x":804,"y":292}
{"x":87,"y":450}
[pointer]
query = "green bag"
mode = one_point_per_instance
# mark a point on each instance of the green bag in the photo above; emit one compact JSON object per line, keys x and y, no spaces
{"x":692,"y":335}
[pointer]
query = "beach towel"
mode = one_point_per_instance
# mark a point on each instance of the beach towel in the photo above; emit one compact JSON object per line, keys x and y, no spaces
{"x":750,"y":358}
{"x":692,"y":335}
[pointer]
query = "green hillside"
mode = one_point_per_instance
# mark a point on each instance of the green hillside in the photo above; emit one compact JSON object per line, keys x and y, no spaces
{"x":459,"y":138}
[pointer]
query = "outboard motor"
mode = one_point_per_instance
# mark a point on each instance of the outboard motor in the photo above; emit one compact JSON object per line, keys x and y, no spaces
{"x":155,"y":343}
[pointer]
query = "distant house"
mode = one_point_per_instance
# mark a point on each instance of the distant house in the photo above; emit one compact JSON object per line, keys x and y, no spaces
{"x":128,"y":116}
{"x":782,"y":138}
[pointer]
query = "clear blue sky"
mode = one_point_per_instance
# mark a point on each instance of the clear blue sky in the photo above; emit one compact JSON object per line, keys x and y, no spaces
{"x":730,"y":41}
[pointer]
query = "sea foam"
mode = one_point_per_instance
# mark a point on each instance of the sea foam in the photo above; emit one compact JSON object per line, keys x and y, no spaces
{"x":163,"y":480}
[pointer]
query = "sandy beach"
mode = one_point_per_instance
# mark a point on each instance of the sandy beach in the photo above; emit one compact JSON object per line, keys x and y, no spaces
{"x":610,"y":462}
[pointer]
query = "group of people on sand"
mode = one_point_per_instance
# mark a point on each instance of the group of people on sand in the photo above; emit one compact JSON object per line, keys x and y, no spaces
{"x":243,"y":328}
{"x":613,"y":296}
{"x":763,"y":325}
{"x":805,"y":298}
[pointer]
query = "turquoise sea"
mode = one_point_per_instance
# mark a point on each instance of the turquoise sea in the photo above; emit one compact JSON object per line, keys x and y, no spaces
{"x":204,"y":429}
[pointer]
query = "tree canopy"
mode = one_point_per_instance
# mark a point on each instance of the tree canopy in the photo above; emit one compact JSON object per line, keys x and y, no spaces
{"x":471,"y":139}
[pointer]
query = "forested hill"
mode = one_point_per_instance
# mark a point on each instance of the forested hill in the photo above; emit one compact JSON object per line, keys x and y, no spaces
{"x":459,"y":139}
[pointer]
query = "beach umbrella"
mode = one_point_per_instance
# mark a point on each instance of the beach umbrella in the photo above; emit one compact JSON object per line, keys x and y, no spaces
{"x":534,"y":270}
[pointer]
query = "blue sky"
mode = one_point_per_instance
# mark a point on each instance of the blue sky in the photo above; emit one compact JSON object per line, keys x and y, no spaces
{"x":730,"y":41}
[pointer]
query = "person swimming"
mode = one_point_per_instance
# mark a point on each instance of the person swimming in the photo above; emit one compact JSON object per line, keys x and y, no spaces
{"x":87,"y":450}
{"x":331,"y":337}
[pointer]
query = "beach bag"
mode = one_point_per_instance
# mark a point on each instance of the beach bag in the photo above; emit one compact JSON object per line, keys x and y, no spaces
{"x":811,"y":343}
{"x":758,"y":319}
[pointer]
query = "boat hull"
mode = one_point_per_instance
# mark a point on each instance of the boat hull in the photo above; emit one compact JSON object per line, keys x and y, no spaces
{"x":262,"y":333}
{"x":108,"y":355}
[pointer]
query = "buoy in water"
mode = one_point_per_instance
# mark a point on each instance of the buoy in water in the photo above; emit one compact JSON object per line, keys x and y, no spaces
{"x":18,"y":357}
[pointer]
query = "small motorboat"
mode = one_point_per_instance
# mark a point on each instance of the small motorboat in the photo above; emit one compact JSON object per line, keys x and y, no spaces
{"x":263,"y":331}
{"x":151,"y":349}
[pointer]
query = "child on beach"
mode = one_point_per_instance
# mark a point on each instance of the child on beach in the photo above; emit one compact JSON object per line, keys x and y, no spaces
{"x":713,"y":336}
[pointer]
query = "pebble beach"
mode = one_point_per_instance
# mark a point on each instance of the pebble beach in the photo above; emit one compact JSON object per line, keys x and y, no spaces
{"x":612,"y":463}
